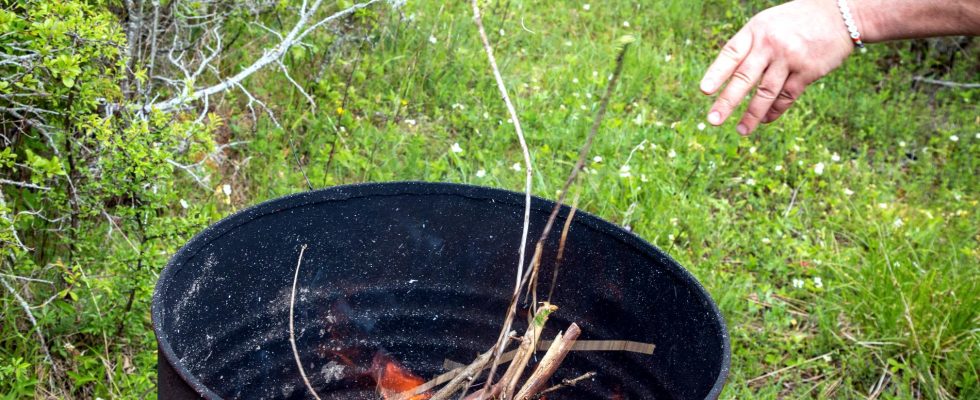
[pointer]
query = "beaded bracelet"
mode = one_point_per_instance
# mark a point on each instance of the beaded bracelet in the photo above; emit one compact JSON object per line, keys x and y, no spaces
{"x":849,"y":22}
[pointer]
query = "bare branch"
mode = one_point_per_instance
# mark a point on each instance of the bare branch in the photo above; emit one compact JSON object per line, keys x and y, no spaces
{"x":299,"y":31}
{"x":949,"y":84}
{"x":23,"y":184}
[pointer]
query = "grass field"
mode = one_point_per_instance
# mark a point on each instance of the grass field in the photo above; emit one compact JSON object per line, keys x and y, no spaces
{"x":842,"y":243}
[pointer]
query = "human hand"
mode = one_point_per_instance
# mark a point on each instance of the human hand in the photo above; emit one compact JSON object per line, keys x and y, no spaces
{"x":782,"y":49}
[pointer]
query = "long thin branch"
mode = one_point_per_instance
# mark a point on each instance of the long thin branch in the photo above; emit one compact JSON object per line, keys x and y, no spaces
{"x":269,"y":56}
{"x":292,"y":332}
{"x":503,"y":338}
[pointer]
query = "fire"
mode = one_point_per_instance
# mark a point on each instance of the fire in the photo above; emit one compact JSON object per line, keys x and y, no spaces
{"x":392,"y":379}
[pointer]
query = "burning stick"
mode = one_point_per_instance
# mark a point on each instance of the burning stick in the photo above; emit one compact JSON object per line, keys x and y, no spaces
{"x":549,"y":363}
{"x":292,"y":332}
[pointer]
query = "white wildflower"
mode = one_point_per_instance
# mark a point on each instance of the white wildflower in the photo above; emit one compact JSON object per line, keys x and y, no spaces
{"x":517,"y":166}
{"x":701,"y":126}
{"x":481,"y":173}
{"x":817,"y":282}
{"x":183,"y":203}
{"x":455,"y":148}
{"x":672,"y":153}
{"x":766,"y":240}
{"x":977,"y":135}
{"x":752,"y":150}
{"x":778,"y":167}
{"x":835,"y":157}
{"x":668,"y":57}
{"x":882,"y":205}
{"x":624,"y":171}
{"x":597,"y":159}
{"x":848,"y":192}
{"x":898,"y":223}
{"x":798,"y":283}
{"x":501,"y":32}
{"x":954,"y":138}
{"x":750,"y":182}
{"x":626,"y":24}
{"x":901,"y":144}
{"x":586,"y":7}
{"x":818,"y":169}
{"x":226,"y":189}
{"x":411,"y":121}
{"x":432,"y":39}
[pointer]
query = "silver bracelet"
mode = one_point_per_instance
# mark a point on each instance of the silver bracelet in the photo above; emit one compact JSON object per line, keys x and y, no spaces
{"x":852,"y":29}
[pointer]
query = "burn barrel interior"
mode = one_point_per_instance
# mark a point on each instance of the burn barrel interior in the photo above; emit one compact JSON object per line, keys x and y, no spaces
{"x":397,"y":278}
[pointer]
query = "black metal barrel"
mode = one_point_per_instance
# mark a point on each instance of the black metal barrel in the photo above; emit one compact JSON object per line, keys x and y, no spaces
{"x":414,"y":274}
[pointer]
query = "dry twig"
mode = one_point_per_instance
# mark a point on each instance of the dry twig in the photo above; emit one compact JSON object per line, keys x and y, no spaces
{"x":292,"y":332}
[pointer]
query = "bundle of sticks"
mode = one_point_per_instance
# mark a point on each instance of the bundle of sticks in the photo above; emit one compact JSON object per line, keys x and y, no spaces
{"x":510,"y":385}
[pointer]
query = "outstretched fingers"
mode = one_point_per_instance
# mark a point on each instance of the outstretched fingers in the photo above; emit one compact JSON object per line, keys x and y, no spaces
{"x":765,"y":96}
{"x":792,"y":90}
{"x":730,"y":58}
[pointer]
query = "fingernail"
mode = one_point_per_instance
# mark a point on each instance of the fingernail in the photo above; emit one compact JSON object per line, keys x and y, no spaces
{"x":742,"y":129}
{"x":706,"y":86}
{"x":714,"y":118}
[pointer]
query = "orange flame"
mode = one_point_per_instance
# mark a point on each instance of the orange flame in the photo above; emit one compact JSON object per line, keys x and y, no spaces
{"x":392,"y":379}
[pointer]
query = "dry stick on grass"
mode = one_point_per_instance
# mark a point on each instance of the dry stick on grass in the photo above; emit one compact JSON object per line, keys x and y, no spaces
{"x":549,"y":363}
{"x":566,"y":383}
{"x":503,"y":338}
{"x":292,"y":332}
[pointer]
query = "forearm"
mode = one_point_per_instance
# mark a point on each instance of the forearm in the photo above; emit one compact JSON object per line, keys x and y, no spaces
{"x":883,"y":20}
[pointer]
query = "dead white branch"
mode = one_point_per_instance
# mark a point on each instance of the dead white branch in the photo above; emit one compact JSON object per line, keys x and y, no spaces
{"x":23,"y":184}
{"x":271,"y":55}
{"x":950,"y":84}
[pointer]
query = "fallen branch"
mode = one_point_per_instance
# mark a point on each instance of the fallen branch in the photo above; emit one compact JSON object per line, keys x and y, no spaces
{"x":292,"y":332}
{"x":549,"y":363}
{"x":949,"y":84}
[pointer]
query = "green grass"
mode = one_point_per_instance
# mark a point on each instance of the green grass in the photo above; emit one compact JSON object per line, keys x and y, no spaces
{"x":862,"y":280}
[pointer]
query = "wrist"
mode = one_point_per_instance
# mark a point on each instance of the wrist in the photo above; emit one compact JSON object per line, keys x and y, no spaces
{"x":867,"y":19}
